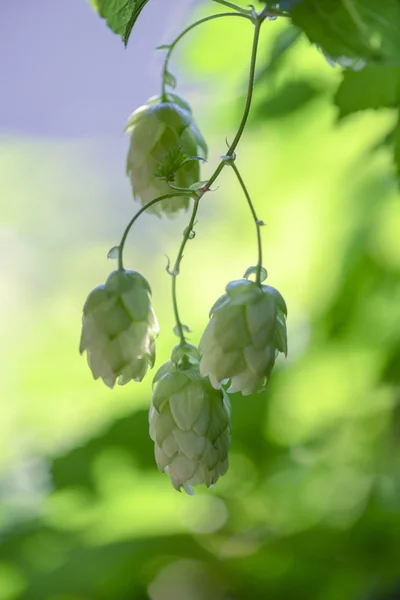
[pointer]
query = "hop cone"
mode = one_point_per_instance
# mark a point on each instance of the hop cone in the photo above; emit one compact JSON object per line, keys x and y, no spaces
{"x":119,"y":328}
{"x":190,"y":425}
{"x":157,"y":129}
{"x":246,"y":332}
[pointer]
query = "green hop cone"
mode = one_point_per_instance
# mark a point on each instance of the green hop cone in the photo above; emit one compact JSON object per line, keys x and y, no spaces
{"x":244,"y":336}
{"x":189,"y":423}
{"x":156,"y":130}
{"x":119,"y":328}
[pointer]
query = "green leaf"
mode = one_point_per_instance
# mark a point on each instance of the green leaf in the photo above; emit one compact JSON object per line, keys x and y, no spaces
{"x":184,"y":328}
{"x":353,"y":28}
{"x":167,"y":367}
{"x":288,"y":98}
{"x":170,"y":79}
{"x":138,"y":7}
{"x":253,"y":271}
{"x":113,"y":253}
{"x":376,"y":86}
{"x":199,"y":184}
{"x":186,"y":353}
{"x":120,"y":15}
{"x":220,"y":303}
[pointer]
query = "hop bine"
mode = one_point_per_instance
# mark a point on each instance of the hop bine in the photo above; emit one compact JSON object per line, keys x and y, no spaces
{"x":189,"y":422}
{"x":162,"y":133}
{"x":119,"y":328}
{"x":244,"y":336}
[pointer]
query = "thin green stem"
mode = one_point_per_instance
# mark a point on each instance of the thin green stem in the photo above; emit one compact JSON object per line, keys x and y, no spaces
{"x":135,"y":218}
{"x":227,"y":160}
{"x":245,"y":14}
{"x":246,"y":111}
{"x":236,"y":7}
{"x":252,"y":72}
{"x":256,"y":220}
{"x":176,"y":311}
{"x":177,"y":266}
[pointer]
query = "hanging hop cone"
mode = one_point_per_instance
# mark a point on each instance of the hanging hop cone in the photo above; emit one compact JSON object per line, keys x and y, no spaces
{"x":189,"y":422}
{"x":157,"y":130}
{"x":119,"y":328}
{"x":245,"y":334}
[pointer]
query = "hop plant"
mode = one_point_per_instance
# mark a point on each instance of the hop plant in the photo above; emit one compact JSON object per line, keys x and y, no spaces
{"x":164,"y":138}
{"x":119,"y":328}
{"x":189,"y":416}
{"x":189,"y":422}
{"x":245,"y":334}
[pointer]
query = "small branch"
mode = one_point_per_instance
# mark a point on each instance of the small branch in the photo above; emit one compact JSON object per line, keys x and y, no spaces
{"x":244,"y":14}
{"x":225,"y":161}
{"x":176,"y":269}
{"x":249,"y":97}
{"x":137,"y":215}
{"x":257,"y":222}
{"x":239,"y":9}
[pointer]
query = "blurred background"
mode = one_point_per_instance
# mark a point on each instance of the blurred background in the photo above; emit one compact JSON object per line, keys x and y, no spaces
{"x":310,"y":506}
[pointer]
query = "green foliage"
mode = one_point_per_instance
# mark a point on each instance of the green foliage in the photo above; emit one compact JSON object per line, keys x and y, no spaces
{"x":353,"y":28}
{"x":120,"y":15}
{"x":374,"y":87}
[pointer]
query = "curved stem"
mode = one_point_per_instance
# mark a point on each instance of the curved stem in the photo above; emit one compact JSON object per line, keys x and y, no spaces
{"x":252,"y":72}
{"x":227,"y":160}
{"x":176,"y":311}
{"x":175,"y":271}
{"x":239,"y":9}
{"x":246,"y":111}
{"x":245,"y":14}
{"x":136,"y":216}
{"x":257,"y":222}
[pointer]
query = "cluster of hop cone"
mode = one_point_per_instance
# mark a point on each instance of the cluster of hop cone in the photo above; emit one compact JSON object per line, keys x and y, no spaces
{"x":190,"y":411}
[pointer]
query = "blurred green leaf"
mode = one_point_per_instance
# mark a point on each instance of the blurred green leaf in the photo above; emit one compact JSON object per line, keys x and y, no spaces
{"x":375,"y":86}
{"x":283,"y":42}
{"x":353,"y":28}
{"x":291,"y":96}
{"x":74,"y":469}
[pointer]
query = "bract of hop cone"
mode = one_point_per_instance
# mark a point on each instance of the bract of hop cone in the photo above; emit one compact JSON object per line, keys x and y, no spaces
{"x":156,"y":129}
{"x":189,"y":422}
{"x":244,"y":336}
{"x":119,"y":328}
